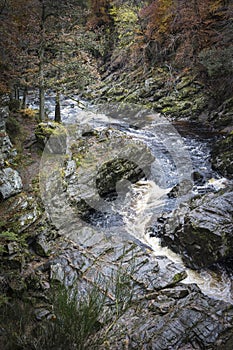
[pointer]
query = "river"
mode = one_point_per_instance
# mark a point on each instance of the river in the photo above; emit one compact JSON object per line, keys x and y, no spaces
{"x":182,"y":157}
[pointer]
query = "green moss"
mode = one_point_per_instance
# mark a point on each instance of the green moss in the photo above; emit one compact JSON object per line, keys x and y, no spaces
{"x":179,"y":277}
{"x":48,"y":129}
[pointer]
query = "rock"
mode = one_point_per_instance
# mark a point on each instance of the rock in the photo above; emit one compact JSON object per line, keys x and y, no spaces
{"x":198,"y":178}
{"x":116,"y":170}
{"x":191,"y":322}
{"x":222,"y":156}
{"x":153,"y":311}
{"x":99,"y":169}
{"x":5,"y":147}
{"x":10,"y":183}
{"x":41,"y":246}
{"x":222,"y":118}
{"x":203,"y":235}
{"x":6,"y":151}
{"x":17,"y":284}
{"x":70,"y":168}
{"x":179,"y":97}
{"x":20,"y":213}
{"x":40,"y":314}
{"x":53,"y":135}
{"x":180,"y":189}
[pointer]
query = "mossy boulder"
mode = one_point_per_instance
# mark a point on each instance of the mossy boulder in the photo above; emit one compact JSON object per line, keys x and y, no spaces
{"x":53,"y":136}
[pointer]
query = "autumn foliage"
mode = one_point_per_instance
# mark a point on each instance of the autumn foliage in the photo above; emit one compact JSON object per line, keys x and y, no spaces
{"x":181,"y":30}
{"x":193,"y":34}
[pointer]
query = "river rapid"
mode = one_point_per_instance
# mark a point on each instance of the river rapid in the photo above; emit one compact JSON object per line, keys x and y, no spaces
{"x":182,"y":155}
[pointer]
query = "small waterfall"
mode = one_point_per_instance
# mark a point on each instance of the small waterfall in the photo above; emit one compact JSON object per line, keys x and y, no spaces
{"x":143,"y":200}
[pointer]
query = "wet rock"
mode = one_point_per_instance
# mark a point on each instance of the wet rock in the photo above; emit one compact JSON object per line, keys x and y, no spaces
{"x":116,"y":170}
{"x":173,"y":323}
{"x":180,"y":189}
{"x":198,"y":178}
{"x":202,"y":234}
{"x":100,"y":169}
{"x":10,"y":183}
{"x":222,"y":156}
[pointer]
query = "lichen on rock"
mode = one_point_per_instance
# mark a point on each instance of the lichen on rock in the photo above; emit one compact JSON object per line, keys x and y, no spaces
{"x":10,"y":183}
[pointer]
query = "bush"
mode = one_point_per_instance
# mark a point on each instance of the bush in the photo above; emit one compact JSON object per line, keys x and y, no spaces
{"x":29,"y":113}
{"x":14,"y":105}
{"x":76,"y":319}
{"x":13,"y":128}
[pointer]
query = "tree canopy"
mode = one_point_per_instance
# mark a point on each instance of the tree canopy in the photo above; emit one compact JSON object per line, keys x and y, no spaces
{"x":60,"y":45}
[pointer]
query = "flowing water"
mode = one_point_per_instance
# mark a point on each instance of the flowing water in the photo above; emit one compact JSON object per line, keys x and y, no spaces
{"x":181,"y":150}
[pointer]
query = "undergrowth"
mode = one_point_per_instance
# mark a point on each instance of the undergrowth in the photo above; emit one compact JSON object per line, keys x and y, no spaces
{"x":77,"y":319}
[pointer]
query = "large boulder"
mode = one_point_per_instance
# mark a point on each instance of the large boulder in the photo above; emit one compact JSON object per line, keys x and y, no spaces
{"x":202,"y":231}
{"x":101,"y":167}
{"x":10,"y":183}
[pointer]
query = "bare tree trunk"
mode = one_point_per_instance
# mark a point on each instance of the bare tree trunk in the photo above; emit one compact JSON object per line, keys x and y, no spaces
{"x":24,"y":101}
{"x":41,"y":65}
{"x":42,"y":103}
{"x":58,"y":108}
{"x":16,"y":93}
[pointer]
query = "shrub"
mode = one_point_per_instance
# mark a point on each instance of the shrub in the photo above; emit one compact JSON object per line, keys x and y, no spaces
{"x":29,"y":113}
{"x":77,"y":319}
{"x":13,"y":128}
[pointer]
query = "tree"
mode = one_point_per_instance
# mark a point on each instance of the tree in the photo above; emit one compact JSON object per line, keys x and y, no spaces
{"x":52,"y":46}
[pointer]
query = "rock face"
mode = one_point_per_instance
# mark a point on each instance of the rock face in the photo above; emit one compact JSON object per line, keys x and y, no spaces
{"x":203,"y":235}
{"x":5,"y":143}
{"x":154,"y":310}
{"x":222,"y":156}
{"x":184,"y":97}
{"x":222,"y":118}
{"x":10,"y":183}
{"x":10,"y":180}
